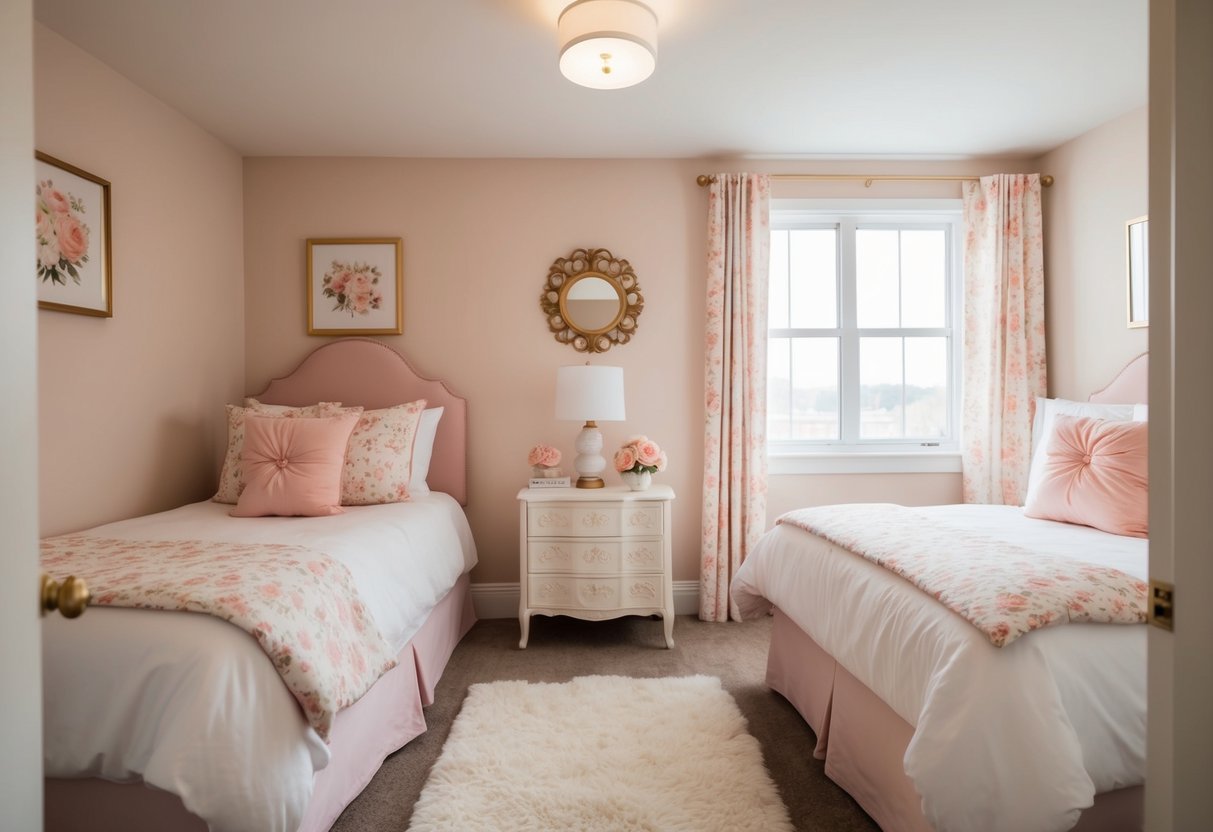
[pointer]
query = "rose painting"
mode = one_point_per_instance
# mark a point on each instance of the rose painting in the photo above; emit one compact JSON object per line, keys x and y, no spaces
{"x":355,"y":286}
{"x":71,"y":223}
{"x":352,"y":287}
{"x":62,"y":234}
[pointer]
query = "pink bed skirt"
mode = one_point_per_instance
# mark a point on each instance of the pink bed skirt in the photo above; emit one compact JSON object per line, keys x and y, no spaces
{"x":863,"y":741}
{"x":382,"y":721}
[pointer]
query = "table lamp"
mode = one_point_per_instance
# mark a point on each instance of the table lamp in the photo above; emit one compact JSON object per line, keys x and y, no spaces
{"x":588,"y":393}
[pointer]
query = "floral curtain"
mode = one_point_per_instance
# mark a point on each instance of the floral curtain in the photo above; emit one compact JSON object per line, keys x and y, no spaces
{"x":734,"y":451}
{"x":1004,"y":334}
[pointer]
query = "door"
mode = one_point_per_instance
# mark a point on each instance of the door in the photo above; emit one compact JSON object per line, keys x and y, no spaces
{"x":1180,"y":751}
{"x":20,"y":652}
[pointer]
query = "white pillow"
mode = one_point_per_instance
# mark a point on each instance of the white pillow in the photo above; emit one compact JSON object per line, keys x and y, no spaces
{"x":1042,"y":429}
{"x":1141,"y":413}
{"x":423,"y":450}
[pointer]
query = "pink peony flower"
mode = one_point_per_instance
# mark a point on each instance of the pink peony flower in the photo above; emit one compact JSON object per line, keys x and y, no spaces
{"x":73,"y":237}
{"x":544,"y":455}
{"x":339,"y":281}
{"x":648,"y":453}
{"x":54,"y":198}
{"x":625,"y":459}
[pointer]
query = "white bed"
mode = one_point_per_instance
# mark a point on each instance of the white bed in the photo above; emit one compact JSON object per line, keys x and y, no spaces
{"x":926,"y":723}
{"x":190,"y":705}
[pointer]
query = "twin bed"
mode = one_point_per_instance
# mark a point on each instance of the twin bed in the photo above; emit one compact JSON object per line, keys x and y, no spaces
{"x":918,"y":715}
{"x":188,"y":705}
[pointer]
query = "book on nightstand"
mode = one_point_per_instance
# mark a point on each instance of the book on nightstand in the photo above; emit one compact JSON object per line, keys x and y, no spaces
{"x":551,"y":482}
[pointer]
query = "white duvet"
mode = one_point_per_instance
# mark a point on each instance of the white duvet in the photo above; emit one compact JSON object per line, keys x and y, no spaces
{"x":1017,"y":739}
{"x":190,"y":704}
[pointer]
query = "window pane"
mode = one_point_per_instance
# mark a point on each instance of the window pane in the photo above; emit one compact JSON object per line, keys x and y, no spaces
{"x":880,"y":388}
{"x":779,"y":389}
{"x":924,"y":278}
{"x":926,"y":387}
{"x":815,"y":401}
{"x":876,"y":277}
{"x":777,"y":291}
{"x":812,"y":260}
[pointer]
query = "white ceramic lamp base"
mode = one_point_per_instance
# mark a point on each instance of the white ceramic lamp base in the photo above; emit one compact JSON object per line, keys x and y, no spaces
{"x":589,"y":463}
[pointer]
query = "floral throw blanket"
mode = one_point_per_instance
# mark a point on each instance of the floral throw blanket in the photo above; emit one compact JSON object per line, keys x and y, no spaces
{"x":300,"y":605}
{"x":1002,"y":590}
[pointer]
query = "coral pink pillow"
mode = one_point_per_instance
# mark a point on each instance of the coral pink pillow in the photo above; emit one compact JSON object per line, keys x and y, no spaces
{"x":293,"y":467}
{"x":1095,"y":474}
{"x":231,"y":481}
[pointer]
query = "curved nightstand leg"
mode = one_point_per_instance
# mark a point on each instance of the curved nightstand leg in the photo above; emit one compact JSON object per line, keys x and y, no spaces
{"x":524,"y":621}
{"x":668,"y":622}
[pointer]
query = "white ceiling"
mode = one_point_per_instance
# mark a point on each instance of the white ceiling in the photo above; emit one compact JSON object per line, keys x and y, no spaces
{"x":762,"y":78}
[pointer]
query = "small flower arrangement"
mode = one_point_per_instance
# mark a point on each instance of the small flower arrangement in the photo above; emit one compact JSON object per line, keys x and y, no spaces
{"x":543,"y":460}
{"x":543,"y":456}
{"x":640,"y":455}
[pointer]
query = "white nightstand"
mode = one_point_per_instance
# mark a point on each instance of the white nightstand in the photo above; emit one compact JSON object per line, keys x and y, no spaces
{"x":596,"y":554}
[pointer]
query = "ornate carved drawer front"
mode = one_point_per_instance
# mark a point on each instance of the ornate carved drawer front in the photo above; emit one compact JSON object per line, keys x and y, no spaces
{"x":594,"y":520}
{"x":609,"y":592}
{"x":629,"y":555}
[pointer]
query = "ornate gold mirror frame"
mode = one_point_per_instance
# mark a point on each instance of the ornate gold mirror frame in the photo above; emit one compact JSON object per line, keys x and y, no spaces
{"x":592,"y":300}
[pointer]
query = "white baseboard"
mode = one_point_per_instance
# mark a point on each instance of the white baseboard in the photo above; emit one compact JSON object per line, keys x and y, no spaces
{"x":501,"y":600}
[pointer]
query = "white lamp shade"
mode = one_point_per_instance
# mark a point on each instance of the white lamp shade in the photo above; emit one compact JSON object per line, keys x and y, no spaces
{"x":607,"y":44}
{"x":586,"y":393}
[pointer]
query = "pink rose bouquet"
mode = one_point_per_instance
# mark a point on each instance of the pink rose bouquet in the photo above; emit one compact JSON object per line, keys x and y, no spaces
{"x":61,"y":233}
{"x":640,"y":454}
{"x":543,"y":456}
{"x":354,"y":288}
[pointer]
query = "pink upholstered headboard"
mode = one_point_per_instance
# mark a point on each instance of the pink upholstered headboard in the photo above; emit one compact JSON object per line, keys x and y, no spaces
{"x":359,"y":371}
{"x":1130,"y":386}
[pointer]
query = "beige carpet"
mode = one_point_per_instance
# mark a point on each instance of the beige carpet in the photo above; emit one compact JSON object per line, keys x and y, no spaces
{"x":600,"y":754}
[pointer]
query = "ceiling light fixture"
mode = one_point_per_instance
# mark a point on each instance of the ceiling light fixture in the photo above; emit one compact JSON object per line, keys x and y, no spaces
{"x":607,"y":44}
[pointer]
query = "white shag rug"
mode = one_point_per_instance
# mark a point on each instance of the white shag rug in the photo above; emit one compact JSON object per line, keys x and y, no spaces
{"x":600,"y":753}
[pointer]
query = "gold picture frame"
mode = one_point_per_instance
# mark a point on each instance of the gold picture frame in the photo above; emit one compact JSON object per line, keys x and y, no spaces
{"x":355,"y":286}
{"x":1137,"y":271}
{"x":74,"y":260}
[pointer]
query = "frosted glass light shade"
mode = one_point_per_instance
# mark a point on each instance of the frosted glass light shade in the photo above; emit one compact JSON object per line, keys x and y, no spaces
{"x":607,"y":44}
{"x":587,"y":393}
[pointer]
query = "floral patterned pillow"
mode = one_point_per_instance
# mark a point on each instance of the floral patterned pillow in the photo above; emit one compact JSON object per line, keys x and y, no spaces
{"x":231,"y":481}
{"x":379,"y":457}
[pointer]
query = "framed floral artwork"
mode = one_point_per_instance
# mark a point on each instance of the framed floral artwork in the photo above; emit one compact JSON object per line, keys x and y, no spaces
{"x":355,"y":286}
{"x":72,"y":212}
{"x":1137,"y":256}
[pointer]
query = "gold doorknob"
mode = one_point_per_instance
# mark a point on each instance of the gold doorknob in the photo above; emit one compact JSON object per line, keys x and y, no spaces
{"x":70,"y":596}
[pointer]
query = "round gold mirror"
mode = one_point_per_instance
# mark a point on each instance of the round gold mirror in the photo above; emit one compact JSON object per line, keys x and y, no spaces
{"x":592,"y":300}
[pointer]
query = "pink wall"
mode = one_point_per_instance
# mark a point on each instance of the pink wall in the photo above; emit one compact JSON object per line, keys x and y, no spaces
{"x":131,"y":407}
{"x":479,"y":236}
{"x":1101,"y":183}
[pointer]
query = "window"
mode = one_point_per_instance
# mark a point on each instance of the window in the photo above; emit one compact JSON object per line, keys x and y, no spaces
{"x":864,"y":348}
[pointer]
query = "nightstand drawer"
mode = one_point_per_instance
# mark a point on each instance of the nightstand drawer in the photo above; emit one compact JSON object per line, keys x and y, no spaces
{"x":594,"y":520}
{"x":602,"y":593}
{"x":626,"y":555}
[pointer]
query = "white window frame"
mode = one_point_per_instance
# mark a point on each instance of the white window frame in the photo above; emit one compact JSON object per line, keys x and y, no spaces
{"x":849,"y":453}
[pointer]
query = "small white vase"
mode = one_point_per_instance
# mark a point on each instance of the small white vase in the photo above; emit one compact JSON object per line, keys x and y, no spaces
{"x":637,"y":480}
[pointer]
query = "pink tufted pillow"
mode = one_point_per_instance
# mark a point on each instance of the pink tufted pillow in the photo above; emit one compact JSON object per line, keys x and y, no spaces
{"x":1095,"y":474}
{"x":231,"y":480}
{"x":293,"y":467}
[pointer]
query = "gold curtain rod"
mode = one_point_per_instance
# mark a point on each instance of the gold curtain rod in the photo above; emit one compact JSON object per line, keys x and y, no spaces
{"x":704,"y":179}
